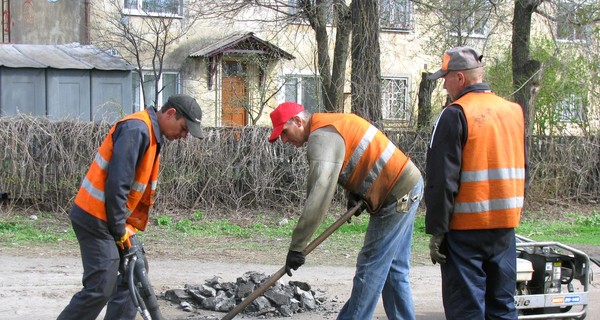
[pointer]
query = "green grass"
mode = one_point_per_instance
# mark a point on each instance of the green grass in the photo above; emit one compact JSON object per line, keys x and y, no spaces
{"x":576,"y":229}
{"x":19,"y":230}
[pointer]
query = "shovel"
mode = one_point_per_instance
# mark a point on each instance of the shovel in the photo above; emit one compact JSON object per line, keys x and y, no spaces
{"x":273,"y":279}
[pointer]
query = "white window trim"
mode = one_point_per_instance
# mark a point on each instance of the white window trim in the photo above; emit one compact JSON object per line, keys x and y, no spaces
{"x":471,"y":34}
{"x":140,"y":97}
{"x":405,"y":78}
{"x":571,"y":109}
{"x":298,"y":75}
{"x":142,"y":13}
{"x":411,"y":23}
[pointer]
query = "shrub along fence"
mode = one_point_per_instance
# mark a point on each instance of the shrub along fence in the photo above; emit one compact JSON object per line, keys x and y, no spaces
{"x":42,"y":163}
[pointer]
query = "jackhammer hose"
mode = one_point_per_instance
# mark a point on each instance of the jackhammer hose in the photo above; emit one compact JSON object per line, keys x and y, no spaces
{"x":135,"y":295}
{"x":146,"y":291}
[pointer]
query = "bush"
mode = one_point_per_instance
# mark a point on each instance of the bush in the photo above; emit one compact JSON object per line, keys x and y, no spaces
{"x":42,"y":163}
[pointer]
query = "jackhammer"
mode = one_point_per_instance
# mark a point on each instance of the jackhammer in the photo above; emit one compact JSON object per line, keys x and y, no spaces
{"x":135,"y":270}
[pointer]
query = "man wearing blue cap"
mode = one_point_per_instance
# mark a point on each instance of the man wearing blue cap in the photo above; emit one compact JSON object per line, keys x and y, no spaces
{"x":475,"y":186}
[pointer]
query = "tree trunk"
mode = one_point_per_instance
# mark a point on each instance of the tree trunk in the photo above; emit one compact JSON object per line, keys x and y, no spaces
{"x":366,"y":72}
{"x":340,"y":57}
{"x":525,"y":72}
{"x":332,"y":78}
{"x":523,"y":69}
{"x":426,"y":87}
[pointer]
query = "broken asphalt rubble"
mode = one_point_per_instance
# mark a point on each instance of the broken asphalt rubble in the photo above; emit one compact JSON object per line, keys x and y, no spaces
{"x":280,"y":300}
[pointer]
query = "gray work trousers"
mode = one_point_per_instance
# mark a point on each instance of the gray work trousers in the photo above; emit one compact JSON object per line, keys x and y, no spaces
{"x":102,"y":283}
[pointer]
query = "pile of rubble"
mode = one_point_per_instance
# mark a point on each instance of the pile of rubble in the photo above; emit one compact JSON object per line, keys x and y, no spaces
{"x":280,"y":300}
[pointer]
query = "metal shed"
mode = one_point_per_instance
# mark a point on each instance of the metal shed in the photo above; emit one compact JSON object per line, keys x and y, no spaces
{"x":64,"y":82}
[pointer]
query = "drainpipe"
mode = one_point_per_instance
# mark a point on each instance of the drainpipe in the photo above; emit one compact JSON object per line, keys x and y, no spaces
{"x":86,"y":23}
{"x":5,"y":21}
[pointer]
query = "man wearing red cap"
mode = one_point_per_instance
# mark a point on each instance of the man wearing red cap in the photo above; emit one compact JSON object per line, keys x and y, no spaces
{"x":348,"y":150}
{"x":475,"y":188}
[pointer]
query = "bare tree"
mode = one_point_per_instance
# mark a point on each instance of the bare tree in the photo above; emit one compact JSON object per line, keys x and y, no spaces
{"x":143,"y":40}
{"x":366,"y":70}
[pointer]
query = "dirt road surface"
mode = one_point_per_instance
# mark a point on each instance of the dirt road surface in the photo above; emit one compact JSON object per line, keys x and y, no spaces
{"x":38,"y":285}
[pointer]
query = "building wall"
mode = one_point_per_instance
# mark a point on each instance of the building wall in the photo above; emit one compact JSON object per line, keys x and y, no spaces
{"x":44,"y":22}
{"x":403,"y":54}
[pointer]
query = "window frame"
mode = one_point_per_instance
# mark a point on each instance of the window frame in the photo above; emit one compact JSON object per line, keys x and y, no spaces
{"x":565,"y":11}
{"x":301,"y":91}
{"x":137,"y":96}
{"x":572,"y":109}
{"x":404,"y":10}
{"x":484,"y":11}
{"x":292,"y":9}
{"x":139,"y":11}
{"x":387,"y":99}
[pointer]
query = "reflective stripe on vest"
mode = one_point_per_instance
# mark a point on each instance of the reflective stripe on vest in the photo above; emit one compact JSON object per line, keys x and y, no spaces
{"x":372,"y":164}
{"x":91,"y":196}
{"x":492,"y":180}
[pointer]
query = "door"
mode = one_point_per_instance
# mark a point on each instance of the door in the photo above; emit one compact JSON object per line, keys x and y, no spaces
{"x":235,"y":94}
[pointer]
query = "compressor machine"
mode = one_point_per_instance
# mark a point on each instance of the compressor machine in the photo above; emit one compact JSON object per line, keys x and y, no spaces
{"x":552,"y":280}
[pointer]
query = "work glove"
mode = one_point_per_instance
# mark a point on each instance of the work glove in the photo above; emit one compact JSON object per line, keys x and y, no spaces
{"x":124,"y":243}
{"x":353,"y":200}
{"x":293,"y":261}
{"x":435,"y":244}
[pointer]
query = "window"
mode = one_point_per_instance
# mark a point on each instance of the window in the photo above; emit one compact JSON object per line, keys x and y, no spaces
{"x":305,"y":90}
{"x":394,"y":99}
{"x":571,"y":109}
{"x":470,"y":18}
{"x":396,"y":14}
{"x":295,"y":9}
{"x":169,"y":82}
{"x":153,"y":7}
{"x":570,"y":21}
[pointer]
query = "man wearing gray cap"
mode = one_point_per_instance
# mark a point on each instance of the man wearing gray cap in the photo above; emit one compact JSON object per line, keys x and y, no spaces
{"x":475,"y":186}
{"x":115,"y":198}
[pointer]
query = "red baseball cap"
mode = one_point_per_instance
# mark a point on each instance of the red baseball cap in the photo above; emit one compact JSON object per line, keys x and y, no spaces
{"x":281,"y":115}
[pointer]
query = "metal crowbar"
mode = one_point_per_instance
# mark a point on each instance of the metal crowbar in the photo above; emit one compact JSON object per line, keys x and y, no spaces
{"x":311,"y":246}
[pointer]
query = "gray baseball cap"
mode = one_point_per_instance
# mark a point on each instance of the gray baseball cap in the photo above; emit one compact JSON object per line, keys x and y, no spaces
{"x":459,"y":58}
{"x":190,"y":109}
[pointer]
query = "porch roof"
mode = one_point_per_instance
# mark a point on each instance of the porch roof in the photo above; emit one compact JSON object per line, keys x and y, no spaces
{"x":245,"y":43}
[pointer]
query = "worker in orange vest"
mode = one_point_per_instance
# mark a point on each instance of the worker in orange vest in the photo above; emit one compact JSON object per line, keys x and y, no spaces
{"x":474,"y":192}
{"x":346,"y":149}
{"x":118,"y":191}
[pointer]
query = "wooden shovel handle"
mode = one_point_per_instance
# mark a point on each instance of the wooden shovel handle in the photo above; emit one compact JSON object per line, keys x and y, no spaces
{"x":273,"y":279}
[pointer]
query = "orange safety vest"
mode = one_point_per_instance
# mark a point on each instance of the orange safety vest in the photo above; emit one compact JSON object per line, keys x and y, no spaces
{"x":492,"y":180}
{"x":140,"y":199}
{"x":372,"y":164}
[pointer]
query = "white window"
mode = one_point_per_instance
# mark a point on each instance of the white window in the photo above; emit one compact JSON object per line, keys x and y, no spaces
{"x":305,"y":90}
{"x":294,"y":9}
{"x":396,"y":15}
{"x":168,"y":85}
{"x":153,"y":7}
{"x":470,"y":18}
{"x":571,"y":109}
{"x":394,"y":98}
{"x":570,"y":21}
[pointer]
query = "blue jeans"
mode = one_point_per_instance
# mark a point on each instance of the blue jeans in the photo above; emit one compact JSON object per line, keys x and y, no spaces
{"x":382,"y":266}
